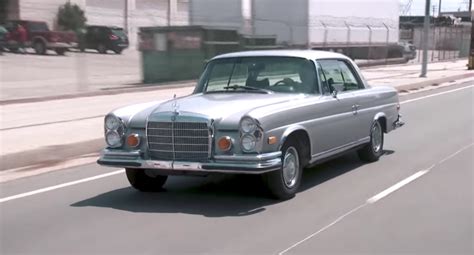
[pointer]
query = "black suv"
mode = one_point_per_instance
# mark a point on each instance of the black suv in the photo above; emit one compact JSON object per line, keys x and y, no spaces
{"x":104,"y":38}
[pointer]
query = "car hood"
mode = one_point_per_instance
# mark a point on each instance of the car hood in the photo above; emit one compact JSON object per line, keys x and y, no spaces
{"x":226,"y":109}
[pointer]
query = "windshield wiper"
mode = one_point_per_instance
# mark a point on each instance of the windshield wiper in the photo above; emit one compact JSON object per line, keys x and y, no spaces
{"x":235,"y":87}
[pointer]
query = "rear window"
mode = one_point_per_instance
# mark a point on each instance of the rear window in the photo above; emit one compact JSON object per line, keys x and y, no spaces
{"x":119,"y":32}
{"x":38,"y":27}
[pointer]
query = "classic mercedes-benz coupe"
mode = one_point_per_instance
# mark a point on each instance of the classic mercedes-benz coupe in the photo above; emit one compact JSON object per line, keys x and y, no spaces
{"x":272,"y":113}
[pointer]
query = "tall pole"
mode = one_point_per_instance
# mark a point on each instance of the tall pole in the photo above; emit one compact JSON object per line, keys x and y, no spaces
{"x":168,"y":15}
{"x":439,"y":9}
{"x":426,"y":30}
{"x":125,"y":17}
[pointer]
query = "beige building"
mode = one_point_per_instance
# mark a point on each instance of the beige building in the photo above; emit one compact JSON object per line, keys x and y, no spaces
{"x":130,"y":14}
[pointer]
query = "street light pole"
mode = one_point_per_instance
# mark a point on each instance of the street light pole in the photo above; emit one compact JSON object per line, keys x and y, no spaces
{"x":125,"y":17}
{"x":426,"y":30}
{"x":439,"y":9}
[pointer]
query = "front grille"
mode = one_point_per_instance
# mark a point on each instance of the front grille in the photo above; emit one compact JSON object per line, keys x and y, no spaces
{"x":180,"y":141}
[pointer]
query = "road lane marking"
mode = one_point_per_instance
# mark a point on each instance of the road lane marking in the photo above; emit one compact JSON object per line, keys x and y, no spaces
{"x":379,"y":196}
{"x":454,"y":154}
{"x":434,"y":95}
{"x":398,"y":185}
{"x":38,"y":191}
{"x":324,"y":228}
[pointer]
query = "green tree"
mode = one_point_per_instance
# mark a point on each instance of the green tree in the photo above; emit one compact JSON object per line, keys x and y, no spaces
{"x":71,"y":17}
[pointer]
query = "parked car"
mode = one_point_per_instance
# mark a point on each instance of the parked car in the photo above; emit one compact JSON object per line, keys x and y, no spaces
{"x":104,"y":38}
{"x":258,"y":112}
{"x":40,"y":37}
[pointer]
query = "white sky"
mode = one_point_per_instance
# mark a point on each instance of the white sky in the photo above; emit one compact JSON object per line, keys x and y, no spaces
{"x":418,"y":6}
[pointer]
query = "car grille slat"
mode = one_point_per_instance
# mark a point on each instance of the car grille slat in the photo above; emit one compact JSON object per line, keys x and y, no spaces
{"x":181,"y":141}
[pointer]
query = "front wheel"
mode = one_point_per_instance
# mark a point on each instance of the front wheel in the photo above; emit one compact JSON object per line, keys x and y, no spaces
{"x":40,"y":48}
{"x":284,"y":183}
{"x":60,"y":51}
{"x":374,"y":149}
{"x":102,"y":49}
{"x":141,"y":181}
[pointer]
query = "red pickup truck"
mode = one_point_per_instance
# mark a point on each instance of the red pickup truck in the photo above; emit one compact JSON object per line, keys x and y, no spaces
{"x":39,"y":37}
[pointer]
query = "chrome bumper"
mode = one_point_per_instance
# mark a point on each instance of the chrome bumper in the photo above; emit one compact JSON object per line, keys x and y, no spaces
{"x":398,"y":123}
{"x":62,"y":45}
{"x":241,"y":164}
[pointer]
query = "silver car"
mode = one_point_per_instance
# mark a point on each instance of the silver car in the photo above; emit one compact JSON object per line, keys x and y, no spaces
{"x":272,"y":113}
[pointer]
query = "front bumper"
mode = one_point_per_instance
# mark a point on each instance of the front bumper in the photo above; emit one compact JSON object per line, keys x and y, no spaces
{"x":241,"y":164}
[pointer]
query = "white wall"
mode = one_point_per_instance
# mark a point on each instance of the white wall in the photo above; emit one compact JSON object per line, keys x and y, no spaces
{"x":337,"y":15}
{"x":220,"y":13}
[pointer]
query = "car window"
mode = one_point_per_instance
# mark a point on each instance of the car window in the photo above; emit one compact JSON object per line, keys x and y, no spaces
{"x":278,"y":74}
{"x":339,"y":76}
{"x":37,"y":27}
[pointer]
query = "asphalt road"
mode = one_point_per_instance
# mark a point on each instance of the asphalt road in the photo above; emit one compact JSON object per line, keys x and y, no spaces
{"x":417,"y":199}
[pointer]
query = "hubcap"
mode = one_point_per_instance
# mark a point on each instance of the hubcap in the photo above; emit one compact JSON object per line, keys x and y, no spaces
{"x":376,"y":137}
{"x":290,"y":167}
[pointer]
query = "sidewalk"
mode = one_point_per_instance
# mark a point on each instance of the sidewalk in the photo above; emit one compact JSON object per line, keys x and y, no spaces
{"x":52,"y":130}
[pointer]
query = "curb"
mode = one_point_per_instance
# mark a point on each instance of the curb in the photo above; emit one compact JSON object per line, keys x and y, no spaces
{"x":104,"y":92}
{"x":50,"y":155}
{"x":58,"y":153}
{"x":421,"y":84}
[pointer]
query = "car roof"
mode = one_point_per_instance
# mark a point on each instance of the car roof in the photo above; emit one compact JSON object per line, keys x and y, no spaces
{"x":307,"y":54}
{"x":102,"y":26}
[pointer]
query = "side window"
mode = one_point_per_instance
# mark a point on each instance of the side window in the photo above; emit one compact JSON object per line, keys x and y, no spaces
{"x":339,"y":76}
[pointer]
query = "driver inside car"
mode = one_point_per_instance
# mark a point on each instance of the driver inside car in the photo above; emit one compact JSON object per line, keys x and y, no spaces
{"x":307,"y":77}
{"x":254,"y":70}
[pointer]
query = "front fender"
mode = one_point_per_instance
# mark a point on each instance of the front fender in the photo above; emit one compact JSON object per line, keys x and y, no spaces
{"x":288,"y":131}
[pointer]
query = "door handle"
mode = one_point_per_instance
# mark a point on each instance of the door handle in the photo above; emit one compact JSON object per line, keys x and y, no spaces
{"x":355,"y":108}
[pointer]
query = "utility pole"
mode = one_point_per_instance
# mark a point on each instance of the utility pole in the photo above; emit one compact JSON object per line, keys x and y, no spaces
{"x":125,"y":17}
{"x":426,"y":30}
{"x":168,"y":15}
{"x":439,"y":9}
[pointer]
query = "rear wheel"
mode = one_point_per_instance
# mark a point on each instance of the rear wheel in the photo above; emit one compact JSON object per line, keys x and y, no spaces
{"x":140,"y":180}
{"x":118,"y":50}
{"x":102,"y":49}
{"x":284,"y":183}
{"x":40,"y":47}
{"x":374,"y":149}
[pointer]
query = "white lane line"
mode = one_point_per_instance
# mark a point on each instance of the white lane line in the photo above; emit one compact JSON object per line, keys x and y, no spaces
{"x":34,"y":192}
{"x":324,"y":228}
{"x":434,"y":95}
{"x":378,"y":197}
{"x":454,"y":154}
{"x":398,"y":185}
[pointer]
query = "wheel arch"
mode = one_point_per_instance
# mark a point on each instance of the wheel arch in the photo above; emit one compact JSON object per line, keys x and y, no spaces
{"x":382,"y":118}
{"x":40,"y":39}
{"x":302,"y":136}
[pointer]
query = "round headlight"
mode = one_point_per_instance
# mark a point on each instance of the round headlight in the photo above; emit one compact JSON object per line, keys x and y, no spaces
{"x":113,"y":139}
{"x":248,"y":143}
{"x":248,"y":125}
{"x":112,"y":122}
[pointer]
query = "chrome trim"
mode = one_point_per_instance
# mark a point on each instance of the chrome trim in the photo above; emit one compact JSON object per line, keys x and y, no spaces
{"x":258,"y":157}
{"x":339,"y":149}
{"x":398,"y":123}
{"x":113,"y":153}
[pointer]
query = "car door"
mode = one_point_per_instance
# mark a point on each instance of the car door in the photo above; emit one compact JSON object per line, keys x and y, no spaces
{"x":338,"y":120}
{"x":364,"y":100}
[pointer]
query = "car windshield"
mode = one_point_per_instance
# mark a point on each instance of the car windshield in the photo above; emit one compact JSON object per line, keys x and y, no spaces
{"x":257,"y":74}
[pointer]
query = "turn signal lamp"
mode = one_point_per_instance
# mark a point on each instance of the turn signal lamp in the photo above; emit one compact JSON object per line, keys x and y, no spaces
{"x":133,"y":140}
{"x":224,"y":143}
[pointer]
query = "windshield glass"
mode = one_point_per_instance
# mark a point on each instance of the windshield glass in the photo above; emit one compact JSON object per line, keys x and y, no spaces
{"x":277,"y":74}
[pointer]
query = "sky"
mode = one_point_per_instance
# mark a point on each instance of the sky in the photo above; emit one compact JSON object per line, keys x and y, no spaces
{"x":418,"y":6}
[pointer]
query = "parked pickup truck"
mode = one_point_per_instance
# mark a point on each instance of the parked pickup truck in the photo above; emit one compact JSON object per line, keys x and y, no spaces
{"x":39,"y":37}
